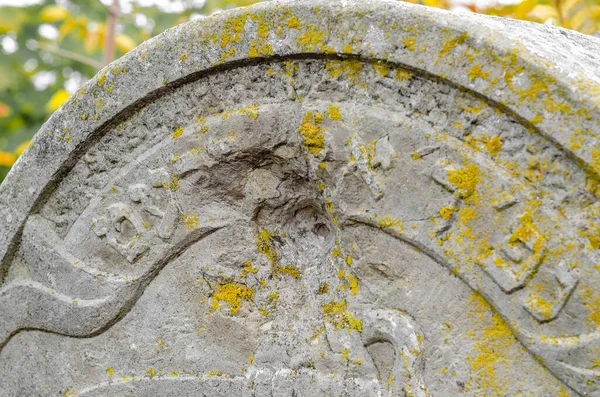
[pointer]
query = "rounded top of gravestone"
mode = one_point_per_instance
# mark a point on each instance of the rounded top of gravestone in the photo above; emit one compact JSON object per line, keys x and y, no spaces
{"x":326,"y":196}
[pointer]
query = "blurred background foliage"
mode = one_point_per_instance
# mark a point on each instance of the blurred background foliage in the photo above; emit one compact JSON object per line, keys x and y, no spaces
{"x":49,"y":48}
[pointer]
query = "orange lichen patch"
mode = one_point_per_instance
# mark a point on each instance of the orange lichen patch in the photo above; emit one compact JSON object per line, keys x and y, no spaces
{"x":591,"y":300}
{"x":337,"y":314}
{"x":476,"y":72}
{"x":491,"y":348}
{"x":452,"y":43}
{"x":447,"y":212}
{"x":312,"y":133}
{"x":334,"y":112}
{"x":190,"y":221}
{"x":233,"y":294}
{"x":177,"y":133}
{"x":410,"y":43}
{"x":382,"y":68}
{"x":465,"y":179}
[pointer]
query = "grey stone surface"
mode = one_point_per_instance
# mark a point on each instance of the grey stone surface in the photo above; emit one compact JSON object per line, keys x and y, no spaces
{"x":324,"y":198}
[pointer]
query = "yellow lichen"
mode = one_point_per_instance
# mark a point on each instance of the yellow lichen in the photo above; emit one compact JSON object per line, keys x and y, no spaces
{"x":447,"y":211}
{"x":263,"y":312}
{"x":334,"y":112}
{"x":465,"y":179}
{"x":476,"y":72}
{"x":382,"y":68}
{"x":353,"y":284}
{"x":102,"y":78}
{"x":177,"y":133}
{"x":310,"y":38}
{"x":493,"y":145}
{"x":293,"y":22}
{"x":392,"y":223}
{"x":591,"y":300}
{"x":233,"y":294}
{"x":191,"y":221}
{"x":541,"y":305}
{"x":491,"y":348}
{"x":402,"y":75}
{"x":232,"y":32}
{"x":452,"y":43}
{"x":323,"y":289}
{"x":337,"y":314}
{"x":290,"y":270}
{"x":110,"y":371}
{"x":350,"y":68}
{"x":410,"y":43}
{"x":312,"y":133}
{"x":248,"y":268}
{"x":263,"y":245}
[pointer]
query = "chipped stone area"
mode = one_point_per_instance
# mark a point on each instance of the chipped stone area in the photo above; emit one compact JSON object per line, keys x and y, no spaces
{"x":310,"y":224}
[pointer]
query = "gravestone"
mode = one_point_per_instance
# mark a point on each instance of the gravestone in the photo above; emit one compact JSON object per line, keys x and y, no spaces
{"x":313,"y":198}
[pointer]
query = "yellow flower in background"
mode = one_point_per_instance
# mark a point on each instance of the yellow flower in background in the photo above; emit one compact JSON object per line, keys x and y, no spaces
{"x":58,"y":99}
{"x":7,"y":159}
{"x":4,"y":110}
{"x":54,"y":14}
{"x":21,"y":148}
{"x":125,"y":43}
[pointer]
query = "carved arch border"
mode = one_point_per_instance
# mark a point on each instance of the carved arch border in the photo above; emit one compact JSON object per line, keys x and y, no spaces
{"x":177,"y":57}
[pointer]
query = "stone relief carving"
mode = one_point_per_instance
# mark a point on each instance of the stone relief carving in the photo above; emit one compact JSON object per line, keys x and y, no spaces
{"x":309,"y":213}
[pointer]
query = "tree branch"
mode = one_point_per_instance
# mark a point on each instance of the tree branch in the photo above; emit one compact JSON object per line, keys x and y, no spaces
{"x":69,"y":55}
{"x":109,"y":42}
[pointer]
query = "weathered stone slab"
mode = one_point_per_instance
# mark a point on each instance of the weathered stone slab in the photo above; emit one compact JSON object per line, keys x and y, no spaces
{"x":334,"y":198}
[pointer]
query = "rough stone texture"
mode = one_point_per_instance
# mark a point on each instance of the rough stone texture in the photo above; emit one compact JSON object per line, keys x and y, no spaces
{"x":333,"y":198}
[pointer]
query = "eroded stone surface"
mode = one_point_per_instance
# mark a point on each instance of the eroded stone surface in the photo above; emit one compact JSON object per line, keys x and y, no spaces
{"x":323,"y":199}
